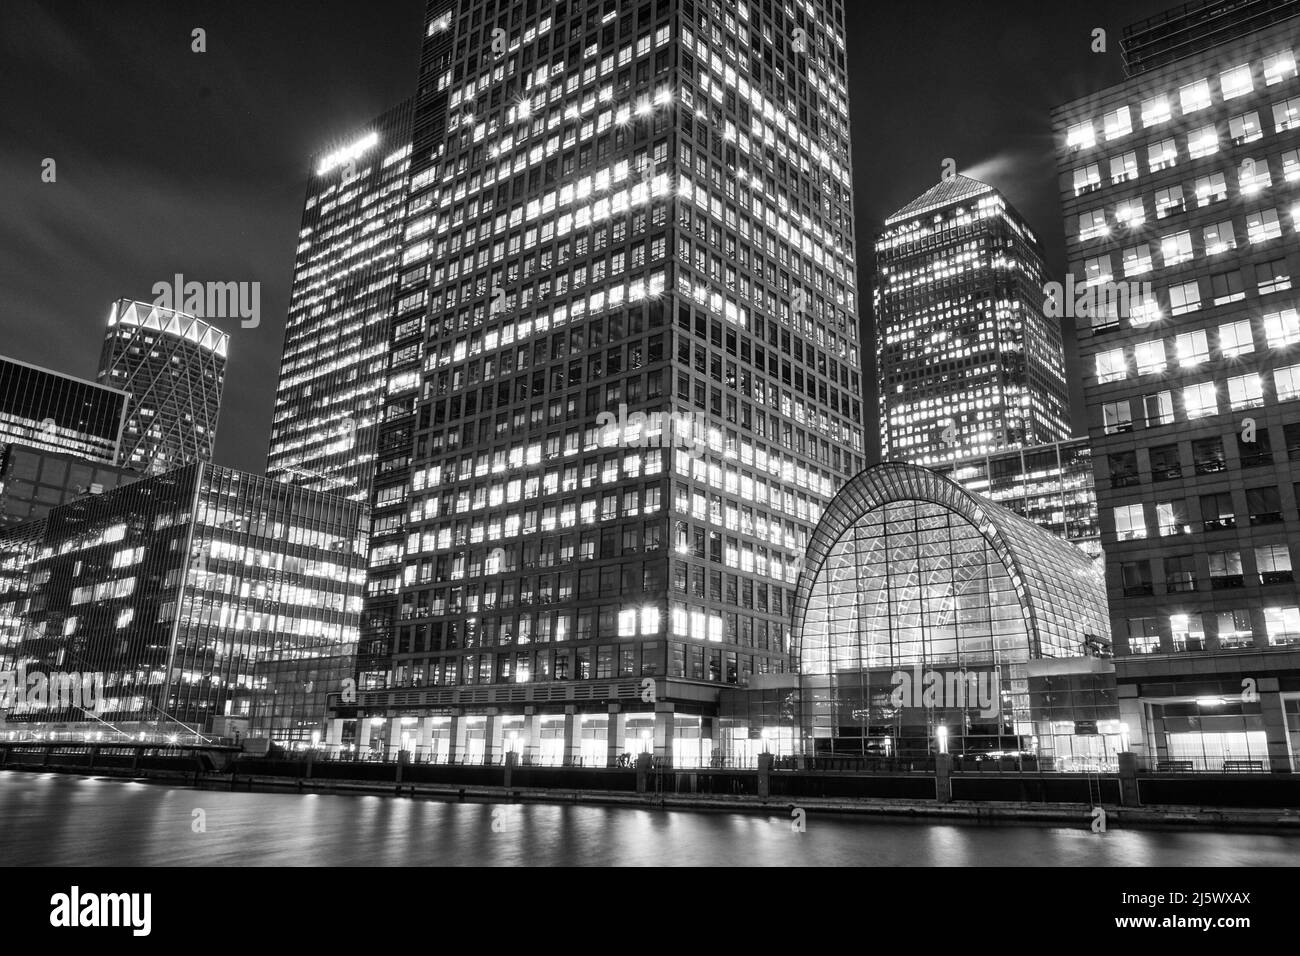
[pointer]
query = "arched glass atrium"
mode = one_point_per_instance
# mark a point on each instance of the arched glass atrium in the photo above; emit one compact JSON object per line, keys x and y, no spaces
{"x":919,"y":615}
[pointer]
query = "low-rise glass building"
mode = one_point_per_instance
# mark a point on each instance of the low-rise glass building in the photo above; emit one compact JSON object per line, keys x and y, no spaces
{"x":926,"y":615}
{"x":193,"y":597}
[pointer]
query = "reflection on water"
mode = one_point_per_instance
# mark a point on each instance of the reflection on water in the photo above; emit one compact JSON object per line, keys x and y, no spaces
{"x":54,"y":819}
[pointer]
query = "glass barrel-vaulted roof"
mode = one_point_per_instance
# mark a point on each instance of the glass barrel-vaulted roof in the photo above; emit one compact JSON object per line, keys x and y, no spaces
{"x":906,"y":567}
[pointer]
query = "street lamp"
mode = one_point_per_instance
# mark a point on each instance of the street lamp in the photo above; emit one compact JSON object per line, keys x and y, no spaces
{"x":942,"y":733}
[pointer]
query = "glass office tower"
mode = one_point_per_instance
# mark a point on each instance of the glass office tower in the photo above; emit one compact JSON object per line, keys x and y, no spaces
{"x":1184,"y":177}
{"x":333,"y":374}
{"x":50,"y":411}
{"x":634,"y":383}
{"x":967,"y":360}
{"x":174,"y":366}
{"x":186,"y":594}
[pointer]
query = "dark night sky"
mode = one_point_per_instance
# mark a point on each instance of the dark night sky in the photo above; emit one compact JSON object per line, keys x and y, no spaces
{"x":172,"y":161}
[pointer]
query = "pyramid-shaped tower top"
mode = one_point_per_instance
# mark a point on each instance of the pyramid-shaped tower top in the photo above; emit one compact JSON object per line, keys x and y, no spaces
{"x":944,"y":193}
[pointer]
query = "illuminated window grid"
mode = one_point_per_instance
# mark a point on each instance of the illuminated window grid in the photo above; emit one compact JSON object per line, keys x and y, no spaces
{"x":1231,"y":304}
{"x":967,"y":362}
{"x":582,"y":274}
{"x":347,"y":272}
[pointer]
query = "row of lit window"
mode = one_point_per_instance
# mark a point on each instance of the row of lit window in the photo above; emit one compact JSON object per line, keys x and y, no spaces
{"x":1104,"y":302}
{"x":1201,"y":142}
{"x":1252,"y":176}
{"x":1280,"y":330}
{"x":1192,"y":98}
{"x":1232,"y":629}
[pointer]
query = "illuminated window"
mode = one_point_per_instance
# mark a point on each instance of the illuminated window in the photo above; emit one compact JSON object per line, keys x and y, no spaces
{"x":1286,"y":382}
{"x":1236,"y":82}
{"x":1130,"y":213}
{"x":1137,"y":260}
{"x":1194,"y":96}
{"x":1092,"y":224}
{"x":1188,"y":631}
{"x":1278,"y":67}
{"x":1253,"y":175}
{"x":1235,"y":339}
{"x":1143,"y":635}
{"x":1273,"y":276}
{"x":1116,"y":417}
{"x":1282,"y":328}
{"x":1211,"y":189}
{"x":1291,"y":165}
{"x":1123,"y":168}
{"x":1245,"y":391}
{"x":1203,"y":141}
{"x":627,"y":619}
{"x":1184,"y":298}
{"x":1149,"y":357}
{"x":1086,"y":179}
{"x":1158,"y":409}
{"x":1176,"y":248}
{"x":1130,"y":522}
{"x":1155,"y":111}
{"x":1219,"y":238}
{"x":1282,"y":624}
{"x":1117,"y":123}
{"x":1244,"y":128}
{"x":1162,"y":155}
{"x":1168,"y":201}
{"x":1262,"y":225}
{"x":1286,"y":115}
{"x":1098,"y":269}
{"x":1200,"y":400}
{"x":1171,"y":518}
{"x":1235,"y":629}
{"x":1081,"y":136}
{"x":1111,"y":365}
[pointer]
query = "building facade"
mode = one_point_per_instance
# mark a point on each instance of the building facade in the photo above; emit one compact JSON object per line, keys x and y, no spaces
{"x":929,"y":620}
{"x":624,"y":380}
{"x":174,"y":367}
{"x":183,"y":595}
{"x":1052,"y":485}
{"x":347,"y":269}
{"x":1179,"y":187}
{"x":50,"y":411}
{"x":18,"y":549}
{"x":967,"y":360}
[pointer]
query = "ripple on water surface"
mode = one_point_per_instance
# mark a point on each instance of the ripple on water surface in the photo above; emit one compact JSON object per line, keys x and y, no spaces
{"x":61,"y":820}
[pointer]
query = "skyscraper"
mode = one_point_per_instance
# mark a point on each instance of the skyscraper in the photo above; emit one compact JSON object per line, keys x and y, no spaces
{"x":966,"y":360}
{"x":1181,"y":182}
{"x":633,"y":386}
{"x":334,"y":372}
{"x":174,"y":366}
